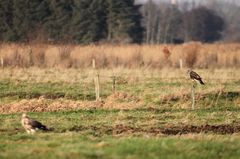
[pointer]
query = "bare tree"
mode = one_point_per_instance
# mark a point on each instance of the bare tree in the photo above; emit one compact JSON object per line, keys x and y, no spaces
{"x":230,"y":12}
{"x":150,"y":18}
{"x":162,"y":22}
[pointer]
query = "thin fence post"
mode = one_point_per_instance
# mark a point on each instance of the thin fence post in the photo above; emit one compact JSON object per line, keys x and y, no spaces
{"x":97,"y":87}
{"x":181,"y":64}
{"x":93,"y":63}
{"x":96,"y":81}
{"x":193,"y":96}
{"x":2,"y":62}
{"x":113,"y":84}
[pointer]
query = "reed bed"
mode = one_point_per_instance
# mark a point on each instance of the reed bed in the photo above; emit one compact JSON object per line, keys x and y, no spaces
{"x":192,"y":55}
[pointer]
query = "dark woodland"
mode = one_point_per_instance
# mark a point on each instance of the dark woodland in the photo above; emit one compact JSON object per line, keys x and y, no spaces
{"x":114,"y":21}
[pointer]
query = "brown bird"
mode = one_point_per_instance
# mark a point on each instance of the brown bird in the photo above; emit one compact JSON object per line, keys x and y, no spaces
{"x":166,"y":52}
{"x":31,"y":125}
{"x":194,"y":76}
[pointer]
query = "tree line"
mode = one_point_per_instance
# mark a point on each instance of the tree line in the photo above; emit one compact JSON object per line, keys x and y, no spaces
{"x":103,"y":21}
{"x":169,"y":24}
{"x":79,"y":21}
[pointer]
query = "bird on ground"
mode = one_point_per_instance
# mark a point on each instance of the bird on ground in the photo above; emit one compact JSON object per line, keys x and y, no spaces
{"x":194,"y":76}
{"x":31,"y":125}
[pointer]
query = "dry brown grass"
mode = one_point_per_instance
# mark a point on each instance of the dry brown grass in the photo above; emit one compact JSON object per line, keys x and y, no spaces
{"x":193,"y":54}
{"x":118,"y":100}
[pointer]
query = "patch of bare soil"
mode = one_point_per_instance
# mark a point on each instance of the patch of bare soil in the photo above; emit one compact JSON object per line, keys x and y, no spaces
{"x":169,"y":130}
{"x":114,"y":101}
{"x":120,"y":130}
{"x":218,"y":129}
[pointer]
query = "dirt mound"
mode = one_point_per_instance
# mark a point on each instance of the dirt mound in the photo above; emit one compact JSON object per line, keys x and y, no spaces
{"x":121,"y":129}
{"x":115,"y":101}
{"x":218,"y":129}
{"x":178,"y":130}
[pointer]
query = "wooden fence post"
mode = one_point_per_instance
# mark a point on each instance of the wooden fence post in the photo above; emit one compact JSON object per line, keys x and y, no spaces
{"x":93,"y":63}
{"x":181,"y":64}
{"x":193,"y":96}
{"x":113,"y":84}
{"x":96,"y":81}
{"x":97,"y":87}
{"x":2,"y":62}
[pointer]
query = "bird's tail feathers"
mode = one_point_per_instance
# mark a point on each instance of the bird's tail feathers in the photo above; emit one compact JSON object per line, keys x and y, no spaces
{"x":201,"y":82}
{"x":43,"y":127}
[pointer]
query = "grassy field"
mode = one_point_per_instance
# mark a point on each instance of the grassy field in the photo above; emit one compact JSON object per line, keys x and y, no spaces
{"x":148,"y":116}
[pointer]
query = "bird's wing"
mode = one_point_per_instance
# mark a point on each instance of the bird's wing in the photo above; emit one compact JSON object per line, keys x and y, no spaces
{"x":194,"y":75}
{"x":35,"y":124}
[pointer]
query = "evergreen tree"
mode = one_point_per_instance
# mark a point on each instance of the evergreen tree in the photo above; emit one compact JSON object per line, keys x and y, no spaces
{"x":28,"y":15}
{"x":84,"y":21}
{"x":123,"y":19}
{"x":37,"y":14}
{"x":20,"y":21}
{"x":57,"y":25}
{"x":89,"y":21}
{"x":6,"y":17}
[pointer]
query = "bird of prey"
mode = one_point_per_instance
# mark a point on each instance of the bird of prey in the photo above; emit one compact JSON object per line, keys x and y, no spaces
{"x":166,"y":52}
{"x":194,"y":76}
{"x":31,"y":125}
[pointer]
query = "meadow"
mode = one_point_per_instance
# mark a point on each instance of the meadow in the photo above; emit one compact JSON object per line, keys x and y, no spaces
{"x":148,"y":115}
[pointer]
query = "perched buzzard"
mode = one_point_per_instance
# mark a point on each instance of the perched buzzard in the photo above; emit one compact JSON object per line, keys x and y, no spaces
{"x":194,"y":76}
{"x":31,"y":125}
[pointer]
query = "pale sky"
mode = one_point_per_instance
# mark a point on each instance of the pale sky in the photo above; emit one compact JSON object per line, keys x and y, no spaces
{"x":197,"y":1}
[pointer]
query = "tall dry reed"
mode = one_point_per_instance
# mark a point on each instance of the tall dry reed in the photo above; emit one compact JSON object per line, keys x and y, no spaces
{"x":193,"y":54}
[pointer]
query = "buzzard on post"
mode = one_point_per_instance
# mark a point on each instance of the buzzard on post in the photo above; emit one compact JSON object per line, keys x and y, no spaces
{"x":194,"y":76}
{"x":31,"y":125}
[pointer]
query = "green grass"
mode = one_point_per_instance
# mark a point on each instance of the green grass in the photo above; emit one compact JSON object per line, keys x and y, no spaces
{"x":28,"y":90}
{"x":73,"y":145}
{"x":148,"y":131}
{"x":150,"y":90}
{"x":93,"y":134}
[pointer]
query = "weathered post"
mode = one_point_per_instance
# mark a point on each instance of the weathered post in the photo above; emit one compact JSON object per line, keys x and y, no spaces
{"x":181,"y":64}
{"x":113,"y":84}
{"x":2,"y":62}
{"x":93,"y":63}
{"x":97,"y":87}
{"x":193,"y":96}
{"x":96,"y":81}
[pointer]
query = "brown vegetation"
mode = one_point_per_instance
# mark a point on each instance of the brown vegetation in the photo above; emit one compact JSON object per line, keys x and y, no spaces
{"x":118,"y":100}
{"x":192,"y":54}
